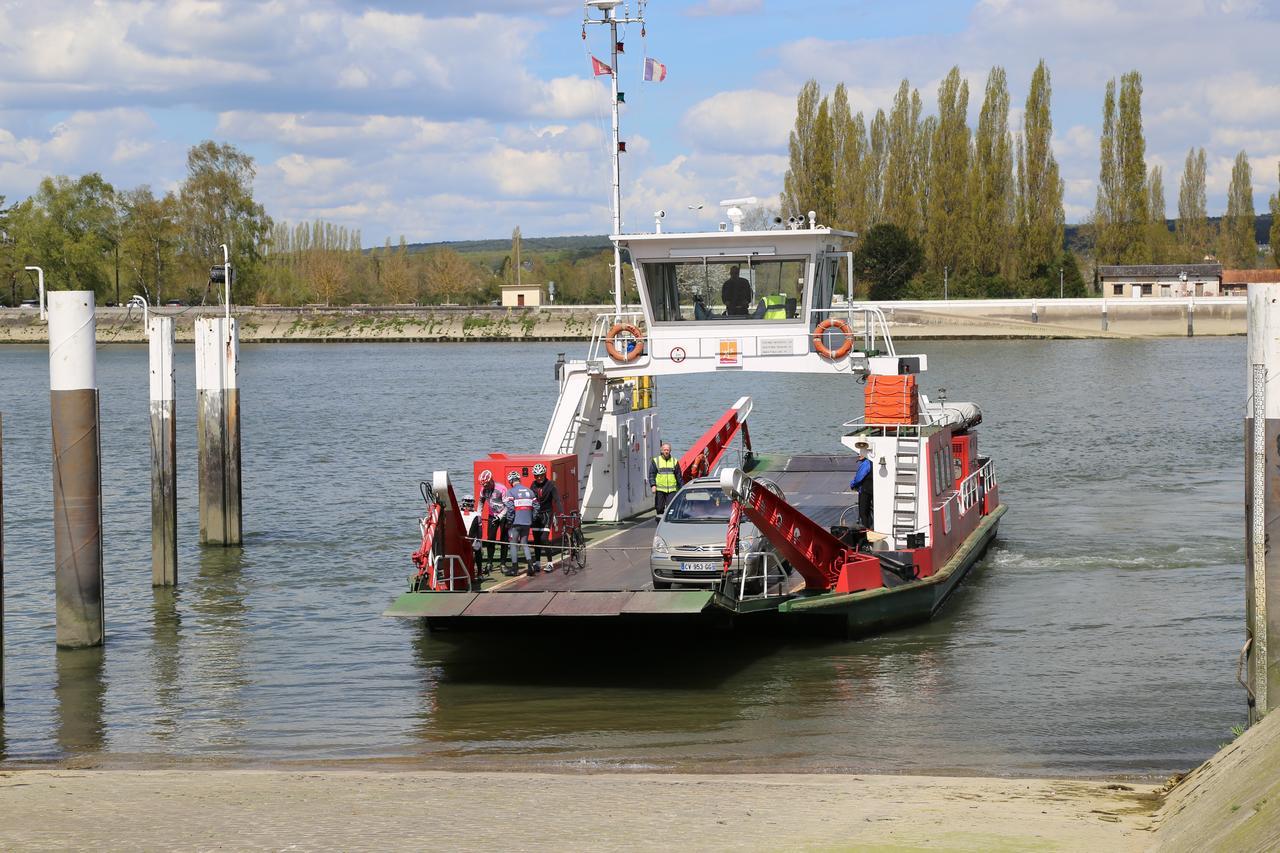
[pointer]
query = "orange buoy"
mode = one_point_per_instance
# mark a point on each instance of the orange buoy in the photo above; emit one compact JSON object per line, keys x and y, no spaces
{"x":611,"y":342}
{"x":822,"y":349}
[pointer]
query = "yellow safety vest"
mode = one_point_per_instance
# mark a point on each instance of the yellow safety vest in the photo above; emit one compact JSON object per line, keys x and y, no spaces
{"x":775,"y":307}
{"x":665,"y":479}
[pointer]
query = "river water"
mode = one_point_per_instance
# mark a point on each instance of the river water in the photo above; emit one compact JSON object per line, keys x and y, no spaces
{"x":1099,"y":636}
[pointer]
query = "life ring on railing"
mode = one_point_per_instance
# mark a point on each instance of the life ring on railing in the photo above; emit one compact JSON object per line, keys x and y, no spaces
{"x":822,"y":349}
{"x":631,"y":353}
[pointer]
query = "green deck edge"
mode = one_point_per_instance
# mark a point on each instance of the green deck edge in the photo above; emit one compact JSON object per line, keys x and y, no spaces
{"x":818,"y":603}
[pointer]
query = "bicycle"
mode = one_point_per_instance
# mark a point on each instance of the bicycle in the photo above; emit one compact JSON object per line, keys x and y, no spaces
{"x":573,"y":540}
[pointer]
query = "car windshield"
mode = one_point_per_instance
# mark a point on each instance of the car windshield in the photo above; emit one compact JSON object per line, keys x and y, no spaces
{"x":697,"y":505}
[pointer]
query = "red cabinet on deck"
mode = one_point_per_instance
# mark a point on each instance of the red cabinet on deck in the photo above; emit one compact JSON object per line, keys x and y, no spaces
{"x":561,"y":470}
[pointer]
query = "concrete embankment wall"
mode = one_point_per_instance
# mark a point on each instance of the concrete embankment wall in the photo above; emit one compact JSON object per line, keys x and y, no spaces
{"x":1232,"y":801}
{"x":1013,"y":318}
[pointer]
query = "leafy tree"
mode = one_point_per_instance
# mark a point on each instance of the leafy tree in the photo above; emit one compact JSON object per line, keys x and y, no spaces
{"x":1275,"y":223}
{"x":1039,"y":210}
{"x":887,"y":259}
{"x":1121,"y":216}
{"x":808,"y":182}
{"x":948,"y":206}
{"x":1193,"y":218}
{"x":988,"y":236}
{"x":217,"y":206}
{"x":1160,"y":240}
{"x":901,"y":197}
{"x":148,"y":241}
{"x":851,"y":165}
{"x":398,"y":283}
{"x":65,"y":229}
{"x":449,"y":275}
{"x":879,"y":152}
{"x":1239,"y":242}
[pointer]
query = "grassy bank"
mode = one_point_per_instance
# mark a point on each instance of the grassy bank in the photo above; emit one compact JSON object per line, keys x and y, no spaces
{"x":920,"y":320}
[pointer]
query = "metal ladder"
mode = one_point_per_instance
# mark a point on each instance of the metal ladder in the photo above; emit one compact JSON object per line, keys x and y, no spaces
{"x":906,"y":486}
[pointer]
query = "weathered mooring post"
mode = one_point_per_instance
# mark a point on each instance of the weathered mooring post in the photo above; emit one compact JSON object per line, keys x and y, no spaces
{"x":164,"y":443}
{"x":218,"y":430}
{"x":1,"y":563}
{"x":1262,"y":500}
{"x":77,"y":470}
{"x":1191,"y":317}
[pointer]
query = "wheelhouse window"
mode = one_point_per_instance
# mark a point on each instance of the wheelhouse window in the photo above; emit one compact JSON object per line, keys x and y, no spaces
{"x":728,"y":289}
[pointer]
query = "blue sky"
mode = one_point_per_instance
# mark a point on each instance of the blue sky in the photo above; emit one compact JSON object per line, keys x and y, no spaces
{"x":442,"y":120}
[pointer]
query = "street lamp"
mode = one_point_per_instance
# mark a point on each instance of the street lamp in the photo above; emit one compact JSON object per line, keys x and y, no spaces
{"x":40,"y":287}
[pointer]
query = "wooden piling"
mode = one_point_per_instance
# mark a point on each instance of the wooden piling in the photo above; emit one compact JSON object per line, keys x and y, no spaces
{"x":1,"y":563}
{"x":164,"y":443}
{"x":218,"y":430}
{"x":77,"y":470}
{"x":1262,"y":500}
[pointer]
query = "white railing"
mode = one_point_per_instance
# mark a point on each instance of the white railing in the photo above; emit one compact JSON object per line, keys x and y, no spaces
{"x":456,"y":570}
{"x":600,"y":332}
{"x":974,"y":487}
{"x":865,"y":321}
{"x":762,"y":566}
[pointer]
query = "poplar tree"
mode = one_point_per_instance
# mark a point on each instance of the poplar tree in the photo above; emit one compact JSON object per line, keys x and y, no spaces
{"x":808,"y":180}
{"x":947,"y":204}
{"x":849,"y":138}
{"x":1106,"y":214}
{"x":1159,"y":239}
{"x":1132,"y":149}
{"x":1239,"y":244}
{"x":1275,"y":223}
{"x":988,"y":234}
{"x":1039,"y":213}
{"x":900,"y":202}
{"x":1193,"y":214}
{"x":923,"y":159}
{"x":879,"y":157}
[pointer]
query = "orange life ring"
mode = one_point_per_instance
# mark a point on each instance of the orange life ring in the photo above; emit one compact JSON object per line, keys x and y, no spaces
{"x":822,"y":349}
{"x":611,"y":343}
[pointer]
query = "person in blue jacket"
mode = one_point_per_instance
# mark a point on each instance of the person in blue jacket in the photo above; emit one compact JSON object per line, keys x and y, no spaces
{"x":864,"y":483}
{"x":521,"y":502}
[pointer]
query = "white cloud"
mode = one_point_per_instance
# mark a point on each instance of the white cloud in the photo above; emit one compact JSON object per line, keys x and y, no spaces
{"x":716,"y":8}
{"x":742,"y":121}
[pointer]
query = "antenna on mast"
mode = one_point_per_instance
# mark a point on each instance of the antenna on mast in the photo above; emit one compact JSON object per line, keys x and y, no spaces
{"x":608,"y":10}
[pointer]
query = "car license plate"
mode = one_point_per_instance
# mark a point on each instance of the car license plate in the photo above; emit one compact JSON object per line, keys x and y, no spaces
{"x":699,"y":567}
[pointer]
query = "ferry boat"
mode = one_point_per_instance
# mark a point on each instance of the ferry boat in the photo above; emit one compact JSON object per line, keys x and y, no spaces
{"x":779,"y":300}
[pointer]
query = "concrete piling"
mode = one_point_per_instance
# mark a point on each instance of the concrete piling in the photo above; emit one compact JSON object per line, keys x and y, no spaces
{"x":218,"y":430}
{"x":1191,"y":318}
{"x":77,"y":470}
{"x":1262,"y":500}
{"x":164,"y":442}
{"x":1104,"y":314}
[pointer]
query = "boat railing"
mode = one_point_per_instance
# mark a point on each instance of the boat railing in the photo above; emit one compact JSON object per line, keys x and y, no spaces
{"x":865,"y":321}
{"x":973,"y":487}
{"x":601,"y":326}
{"x":762,"y":566}
{"x":448,"y":570}
{"x":860,"y":425}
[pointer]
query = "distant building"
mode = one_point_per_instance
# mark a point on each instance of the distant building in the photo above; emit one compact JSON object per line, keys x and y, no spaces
{"x":522,"y":295}
{"x":1143,"y":281}
{"x":1236,"y":282}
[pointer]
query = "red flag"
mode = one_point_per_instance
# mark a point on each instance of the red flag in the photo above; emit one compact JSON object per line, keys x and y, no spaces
{"x":599,"y":67}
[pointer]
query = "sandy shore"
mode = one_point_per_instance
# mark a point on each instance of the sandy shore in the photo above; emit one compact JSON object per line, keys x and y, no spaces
{"x":364,"y":810}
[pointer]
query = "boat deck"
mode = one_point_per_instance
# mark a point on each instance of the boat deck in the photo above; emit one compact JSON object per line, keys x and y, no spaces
{"x":616,"y":579}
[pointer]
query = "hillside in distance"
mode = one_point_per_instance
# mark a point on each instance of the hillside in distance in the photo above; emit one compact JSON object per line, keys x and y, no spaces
{"x":1075,"y":238}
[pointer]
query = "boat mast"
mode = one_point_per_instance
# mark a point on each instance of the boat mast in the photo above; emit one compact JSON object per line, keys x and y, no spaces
{"x":609,"y":13}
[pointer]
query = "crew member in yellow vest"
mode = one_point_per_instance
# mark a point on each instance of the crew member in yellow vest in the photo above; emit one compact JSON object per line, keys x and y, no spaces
{"x":664,"y":478}
{"x":775,"y":307}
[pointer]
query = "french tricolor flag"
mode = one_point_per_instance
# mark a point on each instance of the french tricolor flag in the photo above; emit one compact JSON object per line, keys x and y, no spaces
{"x":654,"y":71}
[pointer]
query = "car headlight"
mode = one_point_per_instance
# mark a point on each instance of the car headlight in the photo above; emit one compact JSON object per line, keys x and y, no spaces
{"x":659,"y":545}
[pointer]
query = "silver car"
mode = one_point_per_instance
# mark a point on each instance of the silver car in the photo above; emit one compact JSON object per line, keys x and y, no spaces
{"x":689,"y":542}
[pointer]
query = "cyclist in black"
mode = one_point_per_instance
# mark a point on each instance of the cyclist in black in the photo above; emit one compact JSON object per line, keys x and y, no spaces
{"x":548,"y":501}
